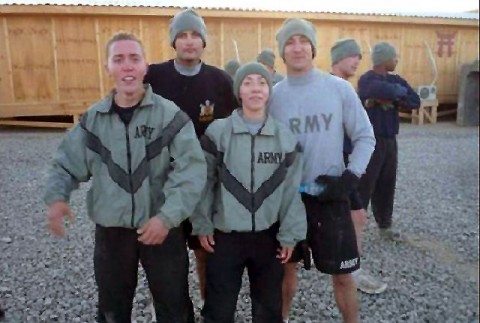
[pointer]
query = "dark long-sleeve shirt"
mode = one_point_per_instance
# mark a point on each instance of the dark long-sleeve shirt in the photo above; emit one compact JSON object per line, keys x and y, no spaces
{"x":381,"y":96}
{"x":205,"y":96}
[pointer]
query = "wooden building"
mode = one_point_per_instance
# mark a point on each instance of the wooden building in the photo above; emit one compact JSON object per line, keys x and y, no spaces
{"x":52,"y":56}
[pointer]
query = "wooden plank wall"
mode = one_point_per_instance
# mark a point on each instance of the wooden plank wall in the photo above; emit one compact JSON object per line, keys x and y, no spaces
{"x":53,"y":64}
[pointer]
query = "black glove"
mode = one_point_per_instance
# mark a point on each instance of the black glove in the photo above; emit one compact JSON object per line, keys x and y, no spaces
{"x":350,"y":180}
{"x":333,"y":189}
{"x":355,"y":201}
{"x":337,"y":188}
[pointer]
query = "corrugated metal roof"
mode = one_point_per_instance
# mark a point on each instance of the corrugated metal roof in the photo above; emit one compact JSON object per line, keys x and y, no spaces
{"x":275,"y":6}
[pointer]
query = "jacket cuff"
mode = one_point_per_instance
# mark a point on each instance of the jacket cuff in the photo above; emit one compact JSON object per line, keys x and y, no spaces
{"x":287,"y":243}
{"x":204,"y":231}
{"x":168,"y":223}
{"x":50,"y":199}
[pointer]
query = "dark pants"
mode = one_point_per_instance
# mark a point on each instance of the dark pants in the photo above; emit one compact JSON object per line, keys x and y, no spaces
{"x":233,"y":252}
{"x":378,"y":183}
{"x":116,"y":257}
{"x":193,"y":244}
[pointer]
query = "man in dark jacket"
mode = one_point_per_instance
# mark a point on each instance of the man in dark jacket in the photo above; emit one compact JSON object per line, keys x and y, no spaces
{"x":382,"y":94}
{"x":202,"y":91}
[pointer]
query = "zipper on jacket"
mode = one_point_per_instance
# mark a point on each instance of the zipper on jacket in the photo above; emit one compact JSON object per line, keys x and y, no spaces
{"x":252,"y":179}
{"x":130,"y":181}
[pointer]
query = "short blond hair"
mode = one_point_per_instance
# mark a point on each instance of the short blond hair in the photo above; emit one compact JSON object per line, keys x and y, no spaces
{"x":123,"y":35}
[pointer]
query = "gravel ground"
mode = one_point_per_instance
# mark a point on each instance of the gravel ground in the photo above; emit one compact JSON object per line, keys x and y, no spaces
{"x":431,"y":278}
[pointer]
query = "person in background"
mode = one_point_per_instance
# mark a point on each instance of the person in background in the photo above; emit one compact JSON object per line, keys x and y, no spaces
{"x":231,"y":67}
{"x":202,"y":91}
{"x":126,"y":143}
{"x":251,"y":215}
{"x":267,"y":58}
{"x":345,"y":57}
{"x":321,"y":109}
{"x":382,"y":94}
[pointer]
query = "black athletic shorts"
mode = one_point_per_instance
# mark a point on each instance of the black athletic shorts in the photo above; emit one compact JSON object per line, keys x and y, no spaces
{"x":192,"y":241}
{"x":330,"y":236}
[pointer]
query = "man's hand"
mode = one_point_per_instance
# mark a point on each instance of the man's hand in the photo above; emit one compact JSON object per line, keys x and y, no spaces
{"x":57,"y":212}
{"x":153,"y":232}
{"x":284,"y":254}
{"x":207,"y":242}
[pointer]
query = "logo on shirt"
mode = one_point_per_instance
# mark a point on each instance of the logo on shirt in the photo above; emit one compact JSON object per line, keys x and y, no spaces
{"x":349,"y":263}
{"x":144,"y":131}
{"x":206,"y":111}
{"x":311,"y":123}
{"x":268,"y":157}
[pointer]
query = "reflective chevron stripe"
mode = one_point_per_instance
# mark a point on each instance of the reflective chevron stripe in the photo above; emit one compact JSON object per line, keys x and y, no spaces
{"x":119,"y":175}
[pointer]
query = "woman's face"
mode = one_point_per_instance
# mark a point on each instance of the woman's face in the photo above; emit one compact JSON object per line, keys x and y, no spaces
{"x":254,"y":92}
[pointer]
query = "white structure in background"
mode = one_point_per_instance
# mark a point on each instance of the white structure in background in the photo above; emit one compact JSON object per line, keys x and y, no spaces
{"x":429,"y":92}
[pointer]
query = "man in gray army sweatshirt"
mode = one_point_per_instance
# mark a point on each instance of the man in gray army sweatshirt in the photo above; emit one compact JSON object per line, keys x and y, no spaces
{"x":320,"y":109}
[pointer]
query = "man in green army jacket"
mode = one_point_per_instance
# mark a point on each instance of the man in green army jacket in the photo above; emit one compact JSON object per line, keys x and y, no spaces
{"x":148,"y":172}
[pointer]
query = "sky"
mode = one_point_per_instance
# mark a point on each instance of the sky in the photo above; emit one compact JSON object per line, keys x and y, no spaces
{"x":453,"y":6}
{"x":366,"y":6}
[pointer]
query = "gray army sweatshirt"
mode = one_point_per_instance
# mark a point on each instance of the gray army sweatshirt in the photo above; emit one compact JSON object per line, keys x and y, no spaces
{"x":320,"y":109}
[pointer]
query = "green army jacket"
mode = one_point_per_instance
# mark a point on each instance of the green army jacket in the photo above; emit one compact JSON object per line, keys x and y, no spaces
{"x":152,"y":167}
{"x":252,"y":181}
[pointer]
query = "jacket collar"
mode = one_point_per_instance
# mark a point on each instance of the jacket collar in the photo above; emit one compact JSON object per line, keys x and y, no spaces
{"x":239,"y":126}
{"x":105,"y":105}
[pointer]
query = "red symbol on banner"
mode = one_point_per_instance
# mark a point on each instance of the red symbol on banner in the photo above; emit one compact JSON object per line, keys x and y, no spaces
{"x":445,"y":39}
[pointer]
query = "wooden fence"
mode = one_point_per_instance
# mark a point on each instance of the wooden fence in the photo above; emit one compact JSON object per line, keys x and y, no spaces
{"x":52,"y":57}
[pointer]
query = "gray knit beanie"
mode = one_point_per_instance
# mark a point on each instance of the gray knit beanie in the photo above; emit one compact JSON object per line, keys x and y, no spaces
{"x":231,"y":67}
{"x":187,"y":20}
{"x":267,"y":57}
{"x":343,"y":48}
{"x":247,"y":69}
{"x":383,"y":52}
{"x":296,"y":26}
